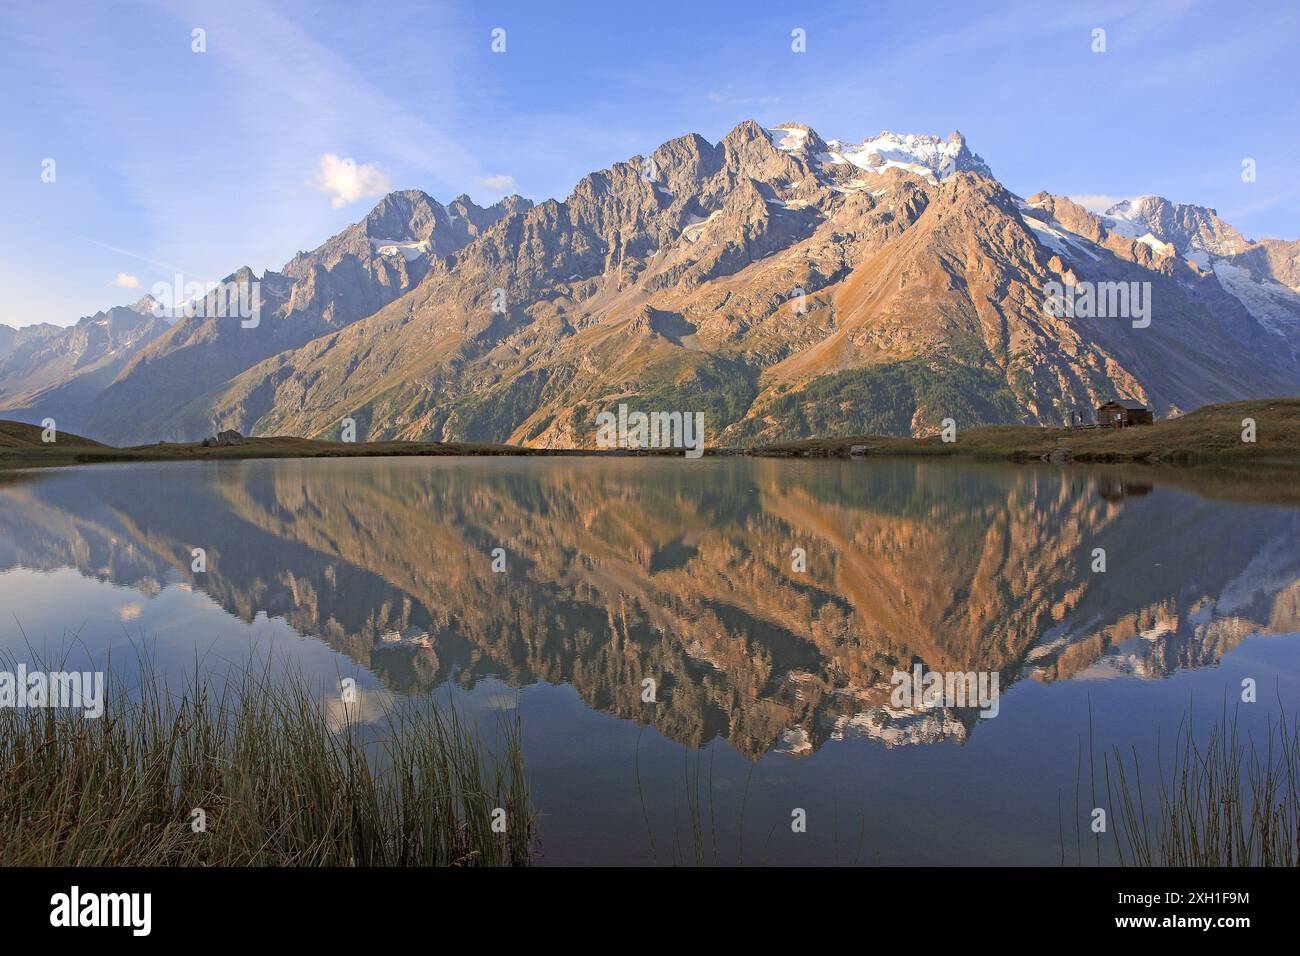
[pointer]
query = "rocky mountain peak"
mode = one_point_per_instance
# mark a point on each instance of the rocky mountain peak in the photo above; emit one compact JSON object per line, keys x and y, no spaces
{"x":464,"y":212}
{"x":511,"y":204}
{"x":406,"y":214}
{"x":745,"y":132}
{"x":1189,"y":228}
{"x":144,"y":305}
{"x":924,"y":155}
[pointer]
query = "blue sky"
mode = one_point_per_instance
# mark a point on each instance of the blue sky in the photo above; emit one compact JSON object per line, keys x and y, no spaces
{"x":168,"y":161}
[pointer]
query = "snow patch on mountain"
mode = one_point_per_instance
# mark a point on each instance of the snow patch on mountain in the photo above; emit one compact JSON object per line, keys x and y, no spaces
{"x":1053,"y":235}
{"x":927,"y":156}
{"x":695,"y":228}
{"x":1275,"y":306}
{"x":1162,"y":248}
{"x":856,"y":186}
{"x":1126,"y":216}
{"x":410,"y":250}
{"x":789,"y":138}
{"x":1189,"y":228}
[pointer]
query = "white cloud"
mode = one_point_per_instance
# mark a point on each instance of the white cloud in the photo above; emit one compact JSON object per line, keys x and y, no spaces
{"x":1096,"y":202}
{"x":347,"y":181}
{"x":124,"y":281}
{"x":498,"y":182}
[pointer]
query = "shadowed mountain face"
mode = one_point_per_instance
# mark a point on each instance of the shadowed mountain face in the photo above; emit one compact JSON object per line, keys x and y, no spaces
{"x":622,"y":570}
{"x":781,"y":284}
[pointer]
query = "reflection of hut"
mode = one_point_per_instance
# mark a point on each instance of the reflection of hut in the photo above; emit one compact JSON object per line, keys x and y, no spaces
{"x":1113,"y":489}
{"x":1122,"y":412}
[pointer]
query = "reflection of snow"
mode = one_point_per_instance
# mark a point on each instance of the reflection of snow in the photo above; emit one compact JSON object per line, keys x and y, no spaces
{"x":412,"y":637}
{"x":896,"y":728}
{"x":1060,"y":637}
{"x":1273,"y":569}
{"x":1157,"y":632}
{"x":794,"y":741}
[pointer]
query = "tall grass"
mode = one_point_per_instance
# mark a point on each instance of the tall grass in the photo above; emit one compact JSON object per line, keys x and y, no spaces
{"x":1221,"y":801}
{"x":284,"y":780}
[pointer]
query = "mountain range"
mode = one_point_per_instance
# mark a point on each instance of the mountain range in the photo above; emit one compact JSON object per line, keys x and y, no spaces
{"x":785,"y":285}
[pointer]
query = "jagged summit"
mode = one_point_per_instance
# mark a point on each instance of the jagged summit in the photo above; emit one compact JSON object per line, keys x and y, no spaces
{"x":407,"y":214}
{"x":923,"y":155}
{"x":144,"y":305}
{"x":1189,"y":228}
{"x":920,"y":154}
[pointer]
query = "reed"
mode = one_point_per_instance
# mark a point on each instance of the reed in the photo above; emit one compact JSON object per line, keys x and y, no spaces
{"x":1221,"y":800}
{"x":282,"y":778}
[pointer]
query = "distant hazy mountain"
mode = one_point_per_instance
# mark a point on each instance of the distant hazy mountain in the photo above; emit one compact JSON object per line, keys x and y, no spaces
{"x":783,"y":284}
{"x":171,"y":389}
{"x":60,"y":372}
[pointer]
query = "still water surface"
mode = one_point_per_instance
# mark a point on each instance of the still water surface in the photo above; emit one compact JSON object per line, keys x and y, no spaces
{"x":773,"y":684}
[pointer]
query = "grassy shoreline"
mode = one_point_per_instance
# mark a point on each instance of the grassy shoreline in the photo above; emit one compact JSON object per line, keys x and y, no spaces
{"x":1209,"y":436}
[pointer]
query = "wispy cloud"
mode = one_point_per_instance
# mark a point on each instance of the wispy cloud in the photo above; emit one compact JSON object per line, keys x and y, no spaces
{"x":275,"y":59}
{"x":119,"y":250}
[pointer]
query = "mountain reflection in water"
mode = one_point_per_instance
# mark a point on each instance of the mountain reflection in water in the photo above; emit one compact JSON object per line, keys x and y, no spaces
{"x":625,"y":569}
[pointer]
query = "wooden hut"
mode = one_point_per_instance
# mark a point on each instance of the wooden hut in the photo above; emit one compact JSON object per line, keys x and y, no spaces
{"x":1122,"y":412}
